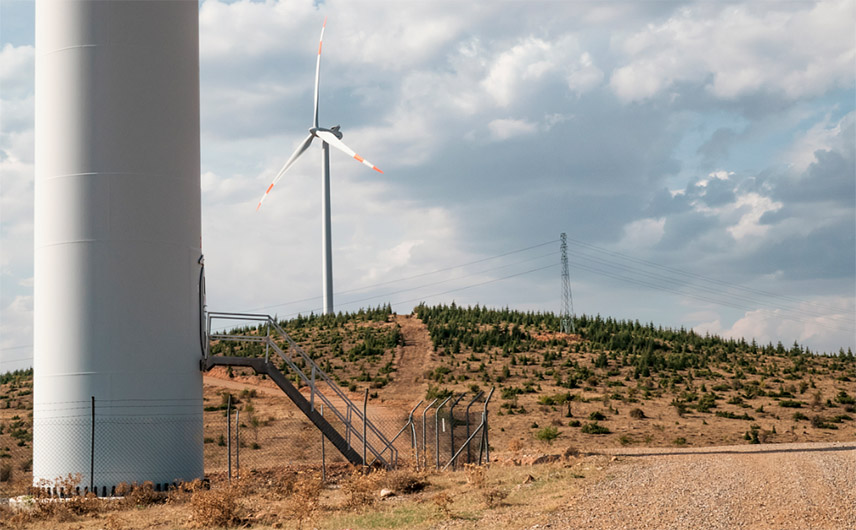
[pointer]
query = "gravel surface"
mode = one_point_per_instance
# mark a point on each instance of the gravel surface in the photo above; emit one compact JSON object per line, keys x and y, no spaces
{"x":788,"y":486}
{"x":784,"y":486}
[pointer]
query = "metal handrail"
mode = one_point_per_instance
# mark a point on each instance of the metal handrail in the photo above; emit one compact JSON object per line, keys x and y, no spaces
{"x":338,"y":391}
{"x":270,"y":343}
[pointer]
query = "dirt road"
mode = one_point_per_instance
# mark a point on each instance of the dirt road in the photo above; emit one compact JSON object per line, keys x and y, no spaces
{"x":783,"y":486}
{"x":411,"y":362}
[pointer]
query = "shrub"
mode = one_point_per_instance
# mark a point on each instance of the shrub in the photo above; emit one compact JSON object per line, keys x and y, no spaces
{"x":733,"y":416}
{"x":547,"y":434}
{"x":790,"y":403}
{"x":443,"y":500}
{"x":574,"y":423}
{"x":476,"y":475}
{"x":5,"y":472}
{"x":680,"y":440}
{"x":845,"y":399}
{"x":637,"y":414}
{"x":215,"y":507}
{"x":819,"y":422}
{"x":798,"y":416}
{"x":595,"y":428}
{"x":597,"y":416}
{"x":304,"y":500}
{"x":143,"y":495}
{"x":493,"y":497}
{"x":361,"y":489}
{"x":403,"y":480}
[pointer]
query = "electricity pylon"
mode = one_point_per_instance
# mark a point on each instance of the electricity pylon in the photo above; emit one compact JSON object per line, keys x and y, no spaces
{"x":567,"y":317}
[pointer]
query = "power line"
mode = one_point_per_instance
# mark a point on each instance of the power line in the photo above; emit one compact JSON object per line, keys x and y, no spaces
{"x":16,"y":347}
{"x":705,"y":278}
{"x":307,"y":311}
{"x":662,"y":287}
{"x":420,"y":275}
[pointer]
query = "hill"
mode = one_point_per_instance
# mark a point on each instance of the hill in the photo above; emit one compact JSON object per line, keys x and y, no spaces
{"x":612,"y":383}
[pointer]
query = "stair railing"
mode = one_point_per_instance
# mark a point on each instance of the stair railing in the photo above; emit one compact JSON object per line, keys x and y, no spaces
{"x":352,"y":410}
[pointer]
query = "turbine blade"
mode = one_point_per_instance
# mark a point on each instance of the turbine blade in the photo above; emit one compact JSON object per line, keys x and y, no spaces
{"x":291,"y":160}
{"x":318,"y":72}
{"x":331,"y":139}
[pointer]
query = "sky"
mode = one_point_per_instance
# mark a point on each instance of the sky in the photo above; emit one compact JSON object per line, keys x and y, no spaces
{"x":700,"y":156}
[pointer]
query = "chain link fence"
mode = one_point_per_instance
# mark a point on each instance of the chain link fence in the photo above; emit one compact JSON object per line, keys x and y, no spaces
{"x":244,"y":437}
{"x":99,"y":445}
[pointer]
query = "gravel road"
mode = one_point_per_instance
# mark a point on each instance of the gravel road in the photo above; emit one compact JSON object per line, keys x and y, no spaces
{"x":786,"y":486}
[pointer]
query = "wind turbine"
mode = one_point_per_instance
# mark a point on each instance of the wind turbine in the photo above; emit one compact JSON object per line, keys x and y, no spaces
{"x":328,"y":137}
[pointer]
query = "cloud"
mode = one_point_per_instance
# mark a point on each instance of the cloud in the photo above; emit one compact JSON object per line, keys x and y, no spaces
{"x":503,"y":129}
{"x":826,"y":322}
{"x":16,"y":333}
{"x":642,"y":233}
{"x":736,"y":50}
{"x":717,"y":138}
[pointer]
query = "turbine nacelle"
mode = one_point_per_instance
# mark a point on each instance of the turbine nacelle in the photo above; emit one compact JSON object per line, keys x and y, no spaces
{"x":334,"y":130}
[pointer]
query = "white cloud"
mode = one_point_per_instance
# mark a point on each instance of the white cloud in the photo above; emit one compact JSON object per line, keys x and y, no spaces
{"x":741,"y":49}
{"x":643,"y":233}
{"x":752,"y":206}
{"x":16,"y":333}
{"x":717,"y":175}
{"x":518,"y":71}
{"x":503,"y":129}
{"x":825,"y":135}
{"x":826,"y":324}
{"x":584,"y":76}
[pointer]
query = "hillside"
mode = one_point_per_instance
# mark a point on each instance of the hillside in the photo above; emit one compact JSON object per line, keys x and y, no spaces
{"x":611,"y":384}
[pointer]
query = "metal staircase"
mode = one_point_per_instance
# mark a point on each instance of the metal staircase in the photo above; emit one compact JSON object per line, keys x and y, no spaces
{"x":343,"y":423}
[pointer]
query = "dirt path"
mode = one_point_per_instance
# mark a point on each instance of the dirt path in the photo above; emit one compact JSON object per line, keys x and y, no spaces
{"x":411,"y":362}
{"x":782,"y":486}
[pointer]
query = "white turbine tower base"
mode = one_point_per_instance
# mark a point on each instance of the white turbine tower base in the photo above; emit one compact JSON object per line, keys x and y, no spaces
{"x":117,"y":243}
{"x":328,"y":137}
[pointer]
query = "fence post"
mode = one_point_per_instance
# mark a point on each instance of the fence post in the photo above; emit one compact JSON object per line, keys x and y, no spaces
{"x":365,"y":421}
{"x":452,"y":426}
{"x":323,"y":452}
{"x":92,"y":450}
{"x":229,"y":438}
{"x":437,"y":429}
{"x":424,"y":444}
{"x":238,"y":444}
{"x":480,"y":394}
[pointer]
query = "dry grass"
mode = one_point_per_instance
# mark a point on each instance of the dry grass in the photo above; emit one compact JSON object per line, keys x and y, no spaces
{"x":215,"y":507}
{"x":362,"y":489}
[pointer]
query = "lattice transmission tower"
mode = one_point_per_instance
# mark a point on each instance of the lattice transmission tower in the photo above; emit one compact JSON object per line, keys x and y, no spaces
{"x":567,"y":316}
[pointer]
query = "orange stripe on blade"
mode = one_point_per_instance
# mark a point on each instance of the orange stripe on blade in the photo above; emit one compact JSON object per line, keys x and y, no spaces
{"x":269,"y":188}
{"x":319,"y":48}
{"x":359,"y":158}
{"x":377,"y":169}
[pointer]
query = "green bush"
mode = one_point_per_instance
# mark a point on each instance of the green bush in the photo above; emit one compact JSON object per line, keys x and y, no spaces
{"x":595,"y":428}
{"x":547,"y":434}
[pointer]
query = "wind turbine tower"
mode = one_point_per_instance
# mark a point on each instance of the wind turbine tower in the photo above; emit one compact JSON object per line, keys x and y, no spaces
{"x":118,"y":330}
{"x":328,"y":137}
